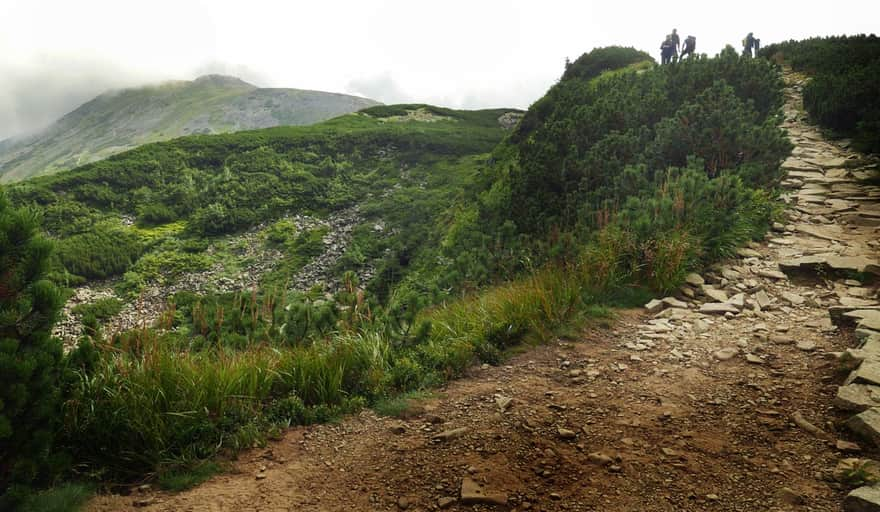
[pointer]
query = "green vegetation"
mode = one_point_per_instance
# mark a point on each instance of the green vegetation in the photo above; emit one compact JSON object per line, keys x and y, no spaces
{"x":63,"y":498}
{"x":844,"y":94}
{"x":30,"y":360}
{"x":623,"y":178}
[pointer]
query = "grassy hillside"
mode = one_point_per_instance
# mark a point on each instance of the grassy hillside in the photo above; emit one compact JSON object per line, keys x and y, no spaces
{"x":619,"y":181}
{"x":843,"y":94}
{"x":119,"y":120}
{"x":162,"y":210}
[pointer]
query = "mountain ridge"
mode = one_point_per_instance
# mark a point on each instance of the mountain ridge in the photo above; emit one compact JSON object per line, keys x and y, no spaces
{"x":121,"y":119}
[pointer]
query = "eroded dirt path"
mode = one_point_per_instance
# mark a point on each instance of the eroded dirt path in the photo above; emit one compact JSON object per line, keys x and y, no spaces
{"x":672,"y":409}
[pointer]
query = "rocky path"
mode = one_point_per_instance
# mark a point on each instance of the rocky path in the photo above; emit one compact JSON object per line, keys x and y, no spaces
{"x":721,"y":398}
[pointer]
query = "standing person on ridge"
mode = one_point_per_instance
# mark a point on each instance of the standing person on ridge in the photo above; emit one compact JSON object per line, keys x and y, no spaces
{"x":676,"y":44}
{"x":748,"y":44}
{"x":687,"y":49}
{"x":666,"y":50}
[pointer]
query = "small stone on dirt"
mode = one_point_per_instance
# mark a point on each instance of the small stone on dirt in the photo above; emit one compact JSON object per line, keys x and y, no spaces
{"x":790,"y":496}
{"x":752,"y":358}
{"x":847,"y":446}
{"x":473,"y":493}
{"x":565,"y":433}
{"x":448,"y":435}
{"x":806,"y":345}
{"x":445,"y":501}
{"x":726,"y":353}
{"x":694,"y":279}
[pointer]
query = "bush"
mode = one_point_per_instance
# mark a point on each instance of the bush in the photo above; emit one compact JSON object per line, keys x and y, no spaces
{"x":30,"y":359}
{"x":102,"y":252}
{"x":844,"y":94}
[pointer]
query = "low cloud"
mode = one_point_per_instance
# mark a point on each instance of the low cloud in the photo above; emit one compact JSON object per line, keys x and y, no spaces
{"x":32,"y":96}
{"x":381,"y":87}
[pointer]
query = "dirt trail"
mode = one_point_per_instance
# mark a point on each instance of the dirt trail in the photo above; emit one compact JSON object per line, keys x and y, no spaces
{"x":669,"y":410}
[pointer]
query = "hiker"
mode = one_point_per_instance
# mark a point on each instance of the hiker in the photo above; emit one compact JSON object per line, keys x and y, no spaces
{"x":666,"y":50}
{"x":757,"y":46}
{"x":748,"y":44}
{"x":687,"y":50}
{"x":676,"y":44}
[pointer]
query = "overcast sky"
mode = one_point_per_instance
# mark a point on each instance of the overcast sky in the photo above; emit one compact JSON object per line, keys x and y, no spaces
{"x":56,"y":54}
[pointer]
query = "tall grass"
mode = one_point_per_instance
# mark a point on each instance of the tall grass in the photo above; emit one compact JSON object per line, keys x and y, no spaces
{"x":158,"y":408}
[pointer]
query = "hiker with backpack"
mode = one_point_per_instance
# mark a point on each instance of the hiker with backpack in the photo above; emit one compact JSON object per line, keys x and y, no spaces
{"x":687,"y":50}
{"x":666,"y":51}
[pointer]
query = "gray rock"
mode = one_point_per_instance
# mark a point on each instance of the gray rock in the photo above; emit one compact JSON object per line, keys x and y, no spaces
{"x":762,"y":299}
{"x":714,"y":293}
{"x":863,"y":499}
{"x":752,"y":358}
{"x":449,"y":435}
{"x":867,"y":425}
{"x":772,"y":274}
{"x":655,"y":306}
{"x":792,"y":298}
{"x":718,"y":308}
{"x":674,"y":303}
{"x":806,"y":345}
{"x":747,"y":253}
{"x":694,"y":279}
{"x":725,"y":354}
{"x":857,"y":397}
{"x":867,"y":373}
{"x":738,"y":301}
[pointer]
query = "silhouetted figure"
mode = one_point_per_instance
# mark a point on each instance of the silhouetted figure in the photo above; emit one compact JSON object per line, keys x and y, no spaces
{"x":676,"y":44}
{"x":757,"y":46}
{"x":748,"y":45}
{"x":666,"y":51}
{"x":687,"y":49}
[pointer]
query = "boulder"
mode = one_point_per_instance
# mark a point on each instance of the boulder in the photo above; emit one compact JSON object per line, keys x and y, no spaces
{"x":863,"y":499}
{"x":867,"y":425}
{"x":857,"y":397}
{"x":867,"y":373}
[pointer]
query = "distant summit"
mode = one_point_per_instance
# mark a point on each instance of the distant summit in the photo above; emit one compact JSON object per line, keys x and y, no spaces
{"x":119,"y":120}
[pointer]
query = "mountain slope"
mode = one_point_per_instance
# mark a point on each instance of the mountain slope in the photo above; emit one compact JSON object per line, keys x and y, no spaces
{"x":119,"y":120}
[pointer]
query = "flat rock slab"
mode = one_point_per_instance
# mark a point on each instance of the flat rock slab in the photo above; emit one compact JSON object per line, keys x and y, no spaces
{"x":772,"y":274}
{"x":694,"y":279}
{"x":796,"y":164}
{"x":718,"y":308}
{"x":863,"y":499}
{"x":473,"y":493}
{"x":824,"y":232}
{"x":827,"y":162}
{"x":867,"y":425}
{"x":857,"y":397}
{"x":867,"y":373}
{"x":861,"y":264}
{"x":714,"y":293}
{"x":849,"y":315}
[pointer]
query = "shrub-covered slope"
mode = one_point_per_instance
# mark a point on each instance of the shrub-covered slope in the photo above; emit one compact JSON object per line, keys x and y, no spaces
{"x":403,"y":166}
{"x":119,"y":120}
{"x":844,"y":93}
{"x":621,"y":179}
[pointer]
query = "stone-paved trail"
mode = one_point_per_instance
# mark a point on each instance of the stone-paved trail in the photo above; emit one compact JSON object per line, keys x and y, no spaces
{"x":719,"y":399}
